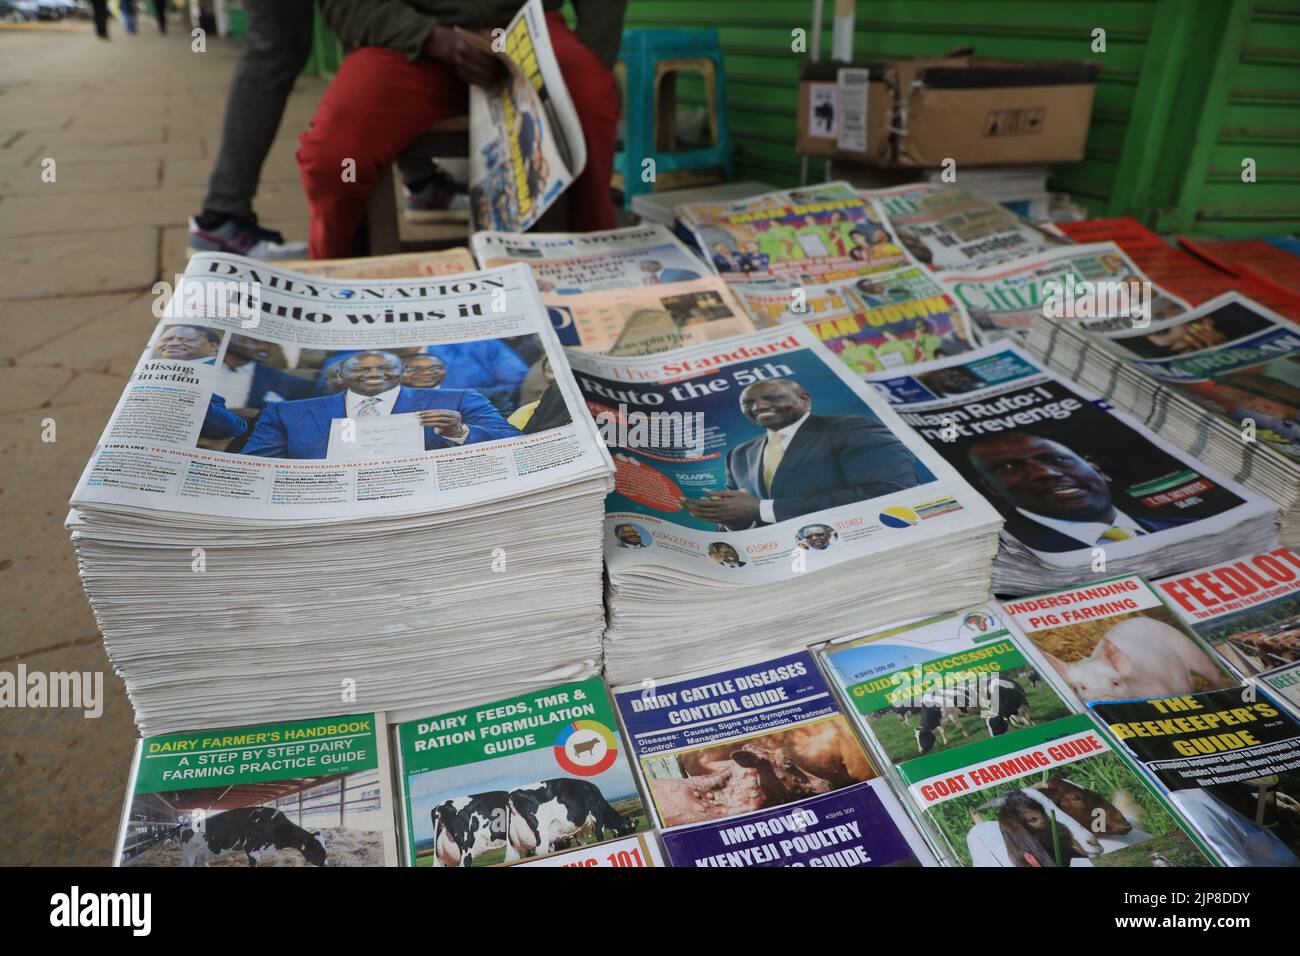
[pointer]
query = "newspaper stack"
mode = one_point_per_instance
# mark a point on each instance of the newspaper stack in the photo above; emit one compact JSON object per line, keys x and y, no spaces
{"x":1086,"y":491}
{"x":1218,"y":381}
{"x":316,"y":493}
{"x":765,"y":498}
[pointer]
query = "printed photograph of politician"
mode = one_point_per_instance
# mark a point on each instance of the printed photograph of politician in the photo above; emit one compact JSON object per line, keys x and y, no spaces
{"x":1082,"y":480}
{"x":755,"y":773}
{"x":795,"y":440}
{"x":352,"y":405}
{"x":187,"y":343}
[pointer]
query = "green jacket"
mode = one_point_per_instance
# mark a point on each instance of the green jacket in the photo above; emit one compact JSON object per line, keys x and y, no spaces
{"x":404,"y":25}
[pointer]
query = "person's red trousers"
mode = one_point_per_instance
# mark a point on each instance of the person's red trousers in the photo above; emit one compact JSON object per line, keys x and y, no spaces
{"x":380,"y":103}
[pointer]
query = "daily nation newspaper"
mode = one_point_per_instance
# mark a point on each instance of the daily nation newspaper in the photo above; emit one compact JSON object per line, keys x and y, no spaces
{"x":948,"y":227}
{"x":996,"y":416}
{"x":702,"y":485}
{"x":526,"y":144}
{"x":871,"y":322}
{"x":793,"y":234}
{"x":267,"y":395}
{"x":1093,"y":280}
{"x":571,"y":263}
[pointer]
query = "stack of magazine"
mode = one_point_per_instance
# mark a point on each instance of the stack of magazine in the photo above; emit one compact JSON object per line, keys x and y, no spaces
{"x":1086,"y":491}
{"x":322,"y":492}
{"x":762,"y":490}
{"x":1220,"y":381}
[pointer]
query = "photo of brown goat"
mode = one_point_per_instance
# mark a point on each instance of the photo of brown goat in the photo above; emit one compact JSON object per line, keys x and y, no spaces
{"x":769,"y":770}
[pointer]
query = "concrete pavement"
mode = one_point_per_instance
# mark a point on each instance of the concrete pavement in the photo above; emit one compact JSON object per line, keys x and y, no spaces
{"x":132,"y":126}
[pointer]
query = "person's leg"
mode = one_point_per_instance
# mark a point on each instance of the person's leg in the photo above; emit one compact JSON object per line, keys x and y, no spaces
{"x":101,"y":18}
{"x":276,"y":47}
{"x":128,"y":15}
{"x":160,"y":12}
{"x":378,"y":104}
{"x":594,"y":92}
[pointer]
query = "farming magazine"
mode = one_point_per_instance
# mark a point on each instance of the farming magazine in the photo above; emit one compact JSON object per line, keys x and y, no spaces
{"x":1115,"y":639}
{"x":758,"y":766}
{"x":519,"y":779}
{"x":1048,"y":796}
{"x":1229,"y":760}
{"x":1284,"y":684}
{"x":1246,"y":609}
{"x":307,"y":793}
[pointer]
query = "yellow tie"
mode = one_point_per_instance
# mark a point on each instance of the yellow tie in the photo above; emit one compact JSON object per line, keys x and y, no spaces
{"x":772,"y":455}
{"x":1117,"y":534}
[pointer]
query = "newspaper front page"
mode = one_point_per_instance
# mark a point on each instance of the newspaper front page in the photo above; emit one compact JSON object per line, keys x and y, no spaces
{"x":730,"y":455}
{"x":267,"y":396}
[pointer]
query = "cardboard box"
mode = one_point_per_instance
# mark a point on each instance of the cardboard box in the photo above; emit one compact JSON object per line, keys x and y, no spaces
{"x":821,"y":105}
{"x":978,"y":112}
{"x":989,"y":112}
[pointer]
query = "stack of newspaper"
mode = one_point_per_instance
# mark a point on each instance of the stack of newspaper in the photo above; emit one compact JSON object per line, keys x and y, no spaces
{"x":1219,"y":381}
{"x":765,"y":496}
{"x":1087,"y":492}
{"x":319,"y":492}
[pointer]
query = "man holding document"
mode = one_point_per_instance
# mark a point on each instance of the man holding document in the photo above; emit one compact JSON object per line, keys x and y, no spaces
{"x":376,"y":413}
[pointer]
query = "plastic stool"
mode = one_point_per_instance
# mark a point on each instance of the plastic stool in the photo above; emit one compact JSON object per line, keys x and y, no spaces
{"x":648,"y":63}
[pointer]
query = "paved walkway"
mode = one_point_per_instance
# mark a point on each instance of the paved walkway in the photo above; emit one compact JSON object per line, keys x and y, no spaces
{"x":132,"y":126}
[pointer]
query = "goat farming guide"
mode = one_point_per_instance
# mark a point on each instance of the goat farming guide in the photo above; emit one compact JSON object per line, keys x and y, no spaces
{"x":1048,"y":796}
{"x":945,"y":682}
{"x":758,"y":766}
{"x":516,"y":780}
{"x":1230,"y":762}
{"x":307,"y":793}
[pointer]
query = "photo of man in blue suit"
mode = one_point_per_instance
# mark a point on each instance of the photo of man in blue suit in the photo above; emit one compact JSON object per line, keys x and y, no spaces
{"x":803,"y":462}
{"x":373,"y":386}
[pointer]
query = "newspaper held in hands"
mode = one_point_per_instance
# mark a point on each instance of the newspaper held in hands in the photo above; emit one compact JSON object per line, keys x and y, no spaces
{"x":526,"y":143}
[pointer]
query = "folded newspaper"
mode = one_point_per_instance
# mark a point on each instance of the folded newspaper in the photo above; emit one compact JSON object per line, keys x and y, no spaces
{"x":758,"y":480}
{"x":1086,"y":491}
{"x":526,"y":143}
{"x":1221,"y":381}
{"x":317,"y":491}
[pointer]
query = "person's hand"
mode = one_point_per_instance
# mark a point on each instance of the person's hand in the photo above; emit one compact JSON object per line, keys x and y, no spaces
{"x":472,"y":64}
{"x":445,"y":421}
{"x":730,"y":508}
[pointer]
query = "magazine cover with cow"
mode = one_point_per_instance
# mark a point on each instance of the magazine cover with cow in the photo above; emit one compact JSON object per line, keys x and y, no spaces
{"x":1228,"y":759}
{"x":826,"y":229}
{"x":1055,"y":795}
{"x":1246,"y":609}
{"x":1068,"y":473}
{"x":732,"y":457}
{"x":941,"y":683}
{"x":759,"y":766}
{"x":536,"y":779}
{"x":306,"y":793}
{"x":526,"y":144}
{"x":872,"y":323}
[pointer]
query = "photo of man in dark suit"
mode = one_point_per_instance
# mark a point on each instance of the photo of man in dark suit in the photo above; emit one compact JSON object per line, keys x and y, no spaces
{"x":1058,"y":500}
{"x":250,"y":382}
{"x":373,"y":386}
{"x":803,"y":462}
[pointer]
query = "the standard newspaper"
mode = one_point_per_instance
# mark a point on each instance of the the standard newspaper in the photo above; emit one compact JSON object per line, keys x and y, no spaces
{"x":872,"y":322}
{"x":521,"y":781}
{"x":1097,"y":280}
{"x":1228,"y":759}
{"x":949,"y":227}
{"x":758,"y":766}
{"x":791,"y":234}
{"x":1086,"y":491}
{"x":570,"y":263}
{"x":1246,"y":609}
{"x":763,"y":463}
{"x":308,"y":793}
{"x":526,"y":143}
{"x":317,"y":487}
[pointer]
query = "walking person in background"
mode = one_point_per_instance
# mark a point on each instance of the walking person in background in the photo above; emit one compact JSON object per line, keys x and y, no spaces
{"x":276,"y":47}
{"x":101,"y":18}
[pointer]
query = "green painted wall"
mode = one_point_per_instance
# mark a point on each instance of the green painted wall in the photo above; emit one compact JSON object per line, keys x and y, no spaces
{"x":1187,"y":89}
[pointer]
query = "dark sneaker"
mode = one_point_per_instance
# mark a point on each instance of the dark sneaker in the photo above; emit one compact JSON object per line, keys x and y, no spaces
{"x":244,"y":237}
{"x":438,"y":200}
